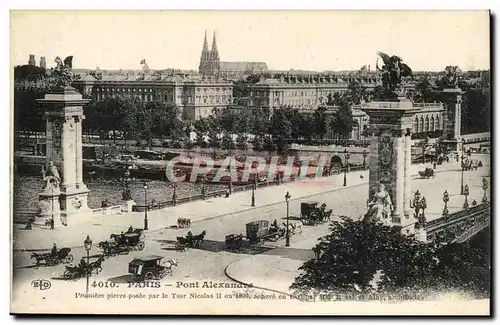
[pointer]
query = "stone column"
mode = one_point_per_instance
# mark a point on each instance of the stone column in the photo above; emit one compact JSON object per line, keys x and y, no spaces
{"x":64,"y":111}
{"x":458,"y":116}
{"x":66,"y":170}
{"x":407,"y":187}
{"x":400,"y":177}
{"x":79,"y":156}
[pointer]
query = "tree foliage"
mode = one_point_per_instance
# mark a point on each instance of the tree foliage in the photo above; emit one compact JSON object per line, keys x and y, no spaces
{"x":360,"y":257}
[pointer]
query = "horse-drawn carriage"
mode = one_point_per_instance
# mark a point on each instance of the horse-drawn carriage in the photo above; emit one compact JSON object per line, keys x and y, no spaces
{"x":190,"y":241}
{"x":84,"y":268}
{"x":62,"y":256}
{"x":311,"y":214}
{"x":427,"y":173}
{"x":183,"y":223}
{"x":234,"y":241}
{"x":122,"y":243}
{"x":259,"y":231}
{"x":150,"y":267}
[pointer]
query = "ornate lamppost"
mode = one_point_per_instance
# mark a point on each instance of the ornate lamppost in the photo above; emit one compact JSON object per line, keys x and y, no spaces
{"x":466,"y":193}
{"x":346,"y":156}
{"x":203,"y":178}
{"x":462,"y":164}
{"x":365,"y":153}
{"x":287,"y":199}
{"x":419,"y":203}
{"x":146,"y":206}
{"x":87,"y":243}
{"x":485,"y":188}
{"x":126,"y":180}
{"x":446,"y":198}
{"x":52,"y":198}
{"x":254,"y":187}
{"x":174,"y":195}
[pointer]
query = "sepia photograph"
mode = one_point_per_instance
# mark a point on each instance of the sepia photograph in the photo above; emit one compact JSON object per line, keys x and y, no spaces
{"x":188,"y":162}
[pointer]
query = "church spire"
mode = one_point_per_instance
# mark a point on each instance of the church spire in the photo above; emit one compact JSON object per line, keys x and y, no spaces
{"x":205,"y":43}
{"x":214,"y":44}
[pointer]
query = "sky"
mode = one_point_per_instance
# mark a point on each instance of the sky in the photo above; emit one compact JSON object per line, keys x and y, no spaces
{"x":306,"y":40}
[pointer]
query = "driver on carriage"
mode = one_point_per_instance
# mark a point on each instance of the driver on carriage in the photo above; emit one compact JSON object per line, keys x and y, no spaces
{"x":53,"y":252}
{"x":82,"y":263}
{"x":274,"y":225}
{"x":130,"y":229}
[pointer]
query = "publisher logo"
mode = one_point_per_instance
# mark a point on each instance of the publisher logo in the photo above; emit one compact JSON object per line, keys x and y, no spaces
{"x":42,"y":284}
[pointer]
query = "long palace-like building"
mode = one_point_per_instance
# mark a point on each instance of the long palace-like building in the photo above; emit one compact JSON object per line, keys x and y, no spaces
{"x":195,"y":95}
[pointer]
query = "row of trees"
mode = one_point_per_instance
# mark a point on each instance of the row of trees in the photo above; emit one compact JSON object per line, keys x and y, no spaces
{"x":364,"y":258}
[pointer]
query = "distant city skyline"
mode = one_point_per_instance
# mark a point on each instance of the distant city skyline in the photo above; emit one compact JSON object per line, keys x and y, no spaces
{"x":300,"y":40}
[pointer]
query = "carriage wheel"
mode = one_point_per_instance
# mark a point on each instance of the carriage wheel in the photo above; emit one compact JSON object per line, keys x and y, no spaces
{"x":67,"y":275}
{"x":55,"y":261}
{"x":149,"y":276}
{"x":186,"y":247}
{"x":140,"y":245}
{"x":68,"y":259}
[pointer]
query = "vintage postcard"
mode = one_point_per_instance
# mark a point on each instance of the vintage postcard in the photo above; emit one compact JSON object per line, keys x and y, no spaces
{"x":251,"y":162}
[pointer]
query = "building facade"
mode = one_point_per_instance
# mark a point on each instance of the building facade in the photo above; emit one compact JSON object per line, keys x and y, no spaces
{"x":211,"y":64}
{"x":195,"y":96}
{"x":302,"y":91}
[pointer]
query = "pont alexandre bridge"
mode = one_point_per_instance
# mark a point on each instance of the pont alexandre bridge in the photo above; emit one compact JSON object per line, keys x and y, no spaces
{"x":459,"y":226}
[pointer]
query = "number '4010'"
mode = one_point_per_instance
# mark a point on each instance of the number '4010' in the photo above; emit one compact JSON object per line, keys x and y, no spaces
{"x":103,"y":284}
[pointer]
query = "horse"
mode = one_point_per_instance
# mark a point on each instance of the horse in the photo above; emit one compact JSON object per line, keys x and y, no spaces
{"x":297,"y":227}
{"x":167,"y":265}
{"x":327,"y":215}
{"x":198,"y":239}
{"x":40,"y":257}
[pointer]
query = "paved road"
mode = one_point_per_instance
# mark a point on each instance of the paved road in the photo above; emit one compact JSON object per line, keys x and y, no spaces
{"x":209,"y":263}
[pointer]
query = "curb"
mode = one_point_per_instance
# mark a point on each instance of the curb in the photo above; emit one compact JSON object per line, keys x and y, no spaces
{"x":248,"y":284}
{"x":414,"y":176}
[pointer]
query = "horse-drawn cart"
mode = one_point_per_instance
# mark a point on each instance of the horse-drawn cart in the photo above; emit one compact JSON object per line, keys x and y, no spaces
{"x":190,"y":241}
{"x":62,"y":256}
{"x":427,"y":173}
{"x":259,"y":231}
{"x":183,"y":223}
{"x":311,"y":214}
{"x":234,"y":241}
{"x":82,"y":269}
{"x":150,"y":267}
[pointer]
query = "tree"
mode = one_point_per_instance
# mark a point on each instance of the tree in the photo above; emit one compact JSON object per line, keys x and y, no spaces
{"x":320,"y":122}
{"x":365,"y":257}
{"x":424,"y":91}
{"x":259,"y":122}
{"x":201,"y":128}
{"x":342,"y":122}
{"x":241,"y":142}
{"x":281,"y":127}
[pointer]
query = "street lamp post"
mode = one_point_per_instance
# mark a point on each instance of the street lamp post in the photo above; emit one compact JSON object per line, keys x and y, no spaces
{"x":446,"y":198}
{"x":462,"y":164}
{"x":174,"y":195}
{"x":466,"y":193}
{"x":485,"y":188}
{"x":87,"y":243}
{"x":419,"y":204}
{"x":203,"y":187}
{"x":146,"y":206}
{"x":365,"y":153}
{"x":254,"y":187}
{"x":52,"y":220}
{"x":287,"y":199}
{"x":346,"y":156}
